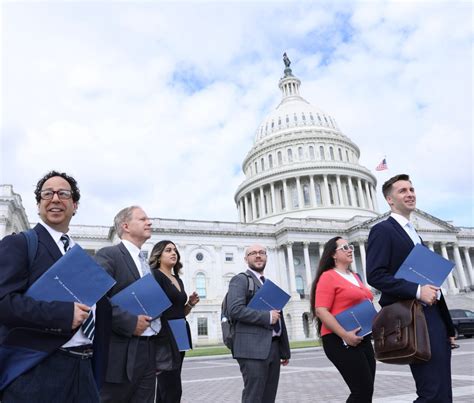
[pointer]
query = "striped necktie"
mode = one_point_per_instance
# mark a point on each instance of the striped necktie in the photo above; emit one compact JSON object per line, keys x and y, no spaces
{"x":66,"y":241}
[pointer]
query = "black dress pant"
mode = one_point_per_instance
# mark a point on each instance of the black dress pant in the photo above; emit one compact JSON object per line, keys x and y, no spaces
{"x":355,"y":364}
{"x":169,"y":389}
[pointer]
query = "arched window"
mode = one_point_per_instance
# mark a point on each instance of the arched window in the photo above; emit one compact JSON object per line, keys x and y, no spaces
{"x":317,"y":189}
{"x":290,"y":155}
{"x":299,"y":285}
{"x":201,"y":285}
{"x":282,"y":199}
{"x":321,"y":152}
{"x":262,"y":163}
{"x":300,"y":153}
{"x":311,"y":152}
{"x":294,"y":196}
{"x":270,"y":161}
{"x":340,"y":154}
{"x":280,"y":158}
{"x":256,"y":167}
{"x":331,"y":194}
{"x":306,"y":197}
{"x":347,"y":156}
{"x":331,"y":153}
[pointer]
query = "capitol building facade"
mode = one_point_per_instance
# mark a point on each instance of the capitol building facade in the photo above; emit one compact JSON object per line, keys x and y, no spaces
{"x":303,"y":185}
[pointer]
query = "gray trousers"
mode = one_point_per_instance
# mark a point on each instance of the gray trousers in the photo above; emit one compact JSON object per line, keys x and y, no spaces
{"x":261,"y":376}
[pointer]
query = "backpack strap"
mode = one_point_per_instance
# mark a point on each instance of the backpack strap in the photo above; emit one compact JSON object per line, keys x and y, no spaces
{"x":32,"y":244}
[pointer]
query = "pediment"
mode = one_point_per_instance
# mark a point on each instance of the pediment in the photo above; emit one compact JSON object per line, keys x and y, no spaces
{"x":422,"y":221}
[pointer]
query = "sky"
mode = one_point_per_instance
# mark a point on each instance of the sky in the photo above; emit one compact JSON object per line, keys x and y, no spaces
{"x":157,"y":103}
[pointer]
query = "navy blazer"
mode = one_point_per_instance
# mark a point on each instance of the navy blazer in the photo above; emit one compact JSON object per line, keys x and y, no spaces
{"x":44,"y":326}
{"x":388,"y":247}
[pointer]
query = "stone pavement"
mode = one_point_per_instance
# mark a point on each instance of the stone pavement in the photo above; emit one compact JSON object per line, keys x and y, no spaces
{"x":311,"y":377}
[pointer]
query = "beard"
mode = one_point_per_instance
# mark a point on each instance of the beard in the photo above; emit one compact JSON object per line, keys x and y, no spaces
{"x":259,"y":268}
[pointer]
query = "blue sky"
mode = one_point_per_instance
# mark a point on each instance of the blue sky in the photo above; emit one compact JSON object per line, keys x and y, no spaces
{"x":157,"y":103}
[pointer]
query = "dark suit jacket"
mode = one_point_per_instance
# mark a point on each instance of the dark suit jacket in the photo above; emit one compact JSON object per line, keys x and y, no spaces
{"x":388,"y":246}
{"x":253,"y":331}
{"x":44,"y":326}
{"x":118,"y":262}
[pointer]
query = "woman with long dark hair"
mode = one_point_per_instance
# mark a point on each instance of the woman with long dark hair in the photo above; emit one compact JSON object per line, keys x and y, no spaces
{"x":335,"y":289}
{"x":165,"y":264}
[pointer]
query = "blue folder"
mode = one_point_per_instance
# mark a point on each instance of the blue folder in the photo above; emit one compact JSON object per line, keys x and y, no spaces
{"x":143,"y":297}
{"x":360,"y":315}
{"x":269,"y":297}
{"x":75,"y":277}
{"x":180,"y":333}
{"x":422,"y":266}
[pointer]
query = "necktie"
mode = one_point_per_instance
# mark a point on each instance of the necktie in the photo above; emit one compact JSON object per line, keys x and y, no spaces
{"x":66,"y":241}
{"x":412,"y":233}
{"x":276,"y":326}
{"x":144,"y":267}
{"x":88,"y":327}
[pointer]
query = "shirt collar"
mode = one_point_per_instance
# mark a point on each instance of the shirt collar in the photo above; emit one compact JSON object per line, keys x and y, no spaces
{"x":257,"y":274}
{"x":399,"y":219}
{"x":56,"y":235}
{"x":133,"y":249}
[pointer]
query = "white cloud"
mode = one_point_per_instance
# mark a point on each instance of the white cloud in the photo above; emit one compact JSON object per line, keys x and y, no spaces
{"x":157,"y":104}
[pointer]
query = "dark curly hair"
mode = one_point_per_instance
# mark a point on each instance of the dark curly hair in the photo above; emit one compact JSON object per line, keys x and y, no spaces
{"x":156,"y":253}
{"x":76,"y":194}
{"x":325,"y":263}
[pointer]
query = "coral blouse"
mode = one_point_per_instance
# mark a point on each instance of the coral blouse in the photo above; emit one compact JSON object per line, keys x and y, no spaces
{"x":338,"y":294}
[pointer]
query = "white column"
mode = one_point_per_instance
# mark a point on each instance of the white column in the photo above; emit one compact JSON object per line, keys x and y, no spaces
{"x":291,"y":269}
{"x":362,"y":260}
{"x":312,"y":192}
{"x":247,"y":208}
{"x":354,"y":264}
{"x":285,"y":194}
{"x":339,"y":190}
{"x":299,"y":193}
{"x":254,"y":206}
{"x":351,"y":190}
{"x":459,"y":267}
{"x":451,"y":283}
{"x":262,"y":203}
{"x":241,"y":211}
{"x":467,"y":258}
{"x":369,"y":199}
{"x":361,"y":196}
{"x":326,"y":191}
{"x":374,"y":198}
{"x":307,"y":266}
{"x":272,"y":191}
{"x":431,"y":248}
{"x":3,"y":227}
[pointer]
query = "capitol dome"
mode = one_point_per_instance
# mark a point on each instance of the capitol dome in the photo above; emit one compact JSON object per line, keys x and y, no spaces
{"x":302,"y":165}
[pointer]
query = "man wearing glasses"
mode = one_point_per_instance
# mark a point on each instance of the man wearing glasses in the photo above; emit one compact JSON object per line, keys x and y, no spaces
{"x":48,"y":329}
{"x":261,"y":340}
{"x":390,"y":242}
{"x":131,"y":369}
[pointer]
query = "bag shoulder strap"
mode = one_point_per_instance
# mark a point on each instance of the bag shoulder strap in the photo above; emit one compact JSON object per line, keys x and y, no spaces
{"x":32,"y":244}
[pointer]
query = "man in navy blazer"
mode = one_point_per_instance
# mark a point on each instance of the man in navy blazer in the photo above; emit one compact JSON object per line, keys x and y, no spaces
{"x":390,"y":242}
{"x":50,"y":330}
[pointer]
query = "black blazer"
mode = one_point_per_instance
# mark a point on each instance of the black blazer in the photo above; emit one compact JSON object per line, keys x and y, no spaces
{"x":388,"y":247}
{"x":44,"y":326}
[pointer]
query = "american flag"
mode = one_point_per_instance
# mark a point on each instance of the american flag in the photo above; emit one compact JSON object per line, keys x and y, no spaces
{"x":382,"y":166}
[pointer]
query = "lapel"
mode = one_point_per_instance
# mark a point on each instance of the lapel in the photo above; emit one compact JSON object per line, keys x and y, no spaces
{"x":48,"y":242}
{"x":132,"y":267}
{"x":401,"y":232}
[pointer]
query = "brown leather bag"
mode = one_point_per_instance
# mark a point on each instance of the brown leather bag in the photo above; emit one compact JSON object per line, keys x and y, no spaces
{"x":400,"y":334}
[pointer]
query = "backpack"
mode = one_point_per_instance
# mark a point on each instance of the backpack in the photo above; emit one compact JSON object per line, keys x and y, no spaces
{"x":227,"y":324}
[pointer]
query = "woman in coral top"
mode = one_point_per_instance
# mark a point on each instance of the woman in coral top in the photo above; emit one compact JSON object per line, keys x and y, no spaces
{"x":335,"y":289}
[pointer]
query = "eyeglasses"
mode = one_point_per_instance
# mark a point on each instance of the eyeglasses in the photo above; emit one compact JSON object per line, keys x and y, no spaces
{"x":346,"y":247}
{"x":257,"y":252}
{"x":63,"y":194}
